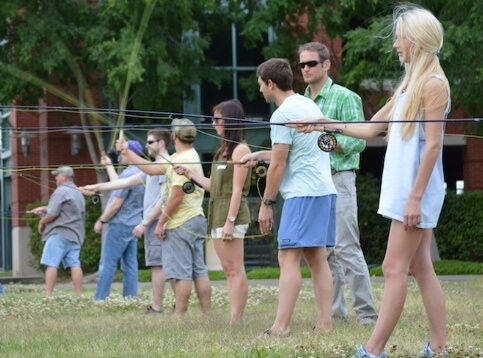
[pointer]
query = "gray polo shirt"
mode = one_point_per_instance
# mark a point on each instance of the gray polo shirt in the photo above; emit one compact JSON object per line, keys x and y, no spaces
{"x":68,"y":205}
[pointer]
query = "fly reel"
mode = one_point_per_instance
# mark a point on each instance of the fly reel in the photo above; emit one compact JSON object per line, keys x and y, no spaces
{"x":190,"y":186}
{"x":327,"y":140}
{"x":262,"y":169}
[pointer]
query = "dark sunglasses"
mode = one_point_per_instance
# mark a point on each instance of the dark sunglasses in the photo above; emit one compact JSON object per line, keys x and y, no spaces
{"x":152,"y":141}
{"x":309,"y":63}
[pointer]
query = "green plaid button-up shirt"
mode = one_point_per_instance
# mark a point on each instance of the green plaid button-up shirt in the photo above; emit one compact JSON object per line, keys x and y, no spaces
{"x":342,"y":104}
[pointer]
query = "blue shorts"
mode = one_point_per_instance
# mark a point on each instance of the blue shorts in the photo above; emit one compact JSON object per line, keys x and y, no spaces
{"x":57,"y":250}
{"x":183,"y":253}
{"x":307,"y":222}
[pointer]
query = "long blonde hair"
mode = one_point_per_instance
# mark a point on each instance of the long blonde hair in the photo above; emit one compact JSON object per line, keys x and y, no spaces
{"x":421,"y":27}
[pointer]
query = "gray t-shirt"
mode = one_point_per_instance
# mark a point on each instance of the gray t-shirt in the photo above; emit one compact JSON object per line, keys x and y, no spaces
{"x":68,"y":205}
{"x":131,"y":211}
{"x":152,"y":191}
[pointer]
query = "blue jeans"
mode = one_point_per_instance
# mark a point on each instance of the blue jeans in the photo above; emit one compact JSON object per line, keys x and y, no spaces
{"x":119,"y":244}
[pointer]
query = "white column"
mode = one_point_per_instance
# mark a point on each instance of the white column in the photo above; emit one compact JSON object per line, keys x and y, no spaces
{"x":21,"y":256}
{"x":212,"y":261}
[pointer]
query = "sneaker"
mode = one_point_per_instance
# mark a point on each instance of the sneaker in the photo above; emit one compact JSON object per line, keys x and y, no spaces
{"x":362,"y":353}
{"x":428,"y":352}
{"x":150,"y":310}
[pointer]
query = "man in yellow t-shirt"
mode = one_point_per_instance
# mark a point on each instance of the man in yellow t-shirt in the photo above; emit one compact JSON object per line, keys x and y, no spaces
{"x":182,"y":224}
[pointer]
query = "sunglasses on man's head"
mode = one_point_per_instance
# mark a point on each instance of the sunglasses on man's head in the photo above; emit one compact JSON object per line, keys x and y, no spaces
{"x":309,"y":63}
{"x":152,"y":141}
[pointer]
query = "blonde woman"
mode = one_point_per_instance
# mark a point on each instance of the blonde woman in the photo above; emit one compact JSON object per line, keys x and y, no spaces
{"x":228,"y":214}
{"x":412,"y":189}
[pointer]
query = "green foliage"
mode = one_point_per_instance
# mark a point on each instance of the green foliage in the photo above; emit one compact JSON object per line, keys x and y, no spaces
{"x":272,"y":273}
{"x":368,"y":52}
{"x":374,"y":229}
{"x":91,"y":249}
{"x":216,"y":275}
{"x":72,"y":40}
{"x":446,"y":267}
{"x":459,"y":233}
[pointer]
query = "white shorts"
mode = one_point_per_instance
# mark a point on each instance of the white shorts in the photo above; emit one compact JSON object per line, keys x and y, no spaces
{"x":239,"y":232}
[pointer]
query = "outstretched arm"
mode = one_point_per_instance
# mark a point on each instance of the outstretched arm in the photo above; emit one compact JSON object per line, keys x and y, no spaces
{"x":362,"y":130}
{"x":128,"y":182}
{"x":252,"y":159}
{"x":145,"y":165}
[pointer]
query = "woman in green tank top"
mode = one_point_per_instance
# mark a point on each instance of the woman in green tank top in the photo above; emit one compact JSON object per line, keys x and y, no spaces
{"x":228,"y":214}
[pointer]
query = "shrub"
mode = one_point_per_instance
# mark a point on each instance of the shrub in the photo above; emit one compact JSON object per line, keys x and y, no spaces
{"x":460,"y":230}
{"x":91,"y":248}
{"x":446,"y":267}
{"x":459,"y":234}
{"x":373,"y":227}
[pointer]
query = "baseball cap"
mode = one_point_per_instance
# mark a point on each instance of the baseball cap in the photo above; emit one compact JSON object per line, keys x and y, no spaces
{"x":135,"y":146}
{"x":64,"y":170}
{"x":184,"y":129}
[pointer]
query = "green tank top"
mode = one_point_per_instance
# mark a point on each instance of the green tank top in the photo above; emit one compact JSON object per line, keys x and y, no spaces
{"x":220,"y":196}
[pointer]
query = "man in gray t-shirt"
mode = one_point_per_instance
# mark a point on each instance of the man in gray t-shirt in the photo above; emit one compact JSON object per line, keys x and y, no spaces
{"x":62,"y":228}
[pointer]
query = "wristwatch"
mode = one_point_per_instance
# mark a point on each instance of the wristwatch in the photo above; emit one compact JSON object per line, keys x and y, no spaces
{"x":268,"y":202}
{"x":231,"y":218}
{"x":144,"y":222}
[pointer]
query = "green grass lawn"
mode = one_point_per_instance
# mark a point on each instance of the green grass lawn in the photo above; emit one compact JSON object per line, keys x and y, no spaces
{"x":443,"y":267}
{"x":33,"y":326}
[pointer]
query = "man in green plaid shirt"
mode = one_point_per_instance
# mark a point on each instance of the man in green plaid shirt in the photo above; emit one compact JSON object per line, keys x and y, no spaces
{"x":346,"y":259}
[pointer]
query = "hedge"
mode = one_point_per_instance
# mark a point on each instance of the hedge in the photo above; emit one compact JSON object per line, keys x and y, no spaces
{"x":91,"y":249}
{"x":460,"y":229}
{"x":459,"y":234}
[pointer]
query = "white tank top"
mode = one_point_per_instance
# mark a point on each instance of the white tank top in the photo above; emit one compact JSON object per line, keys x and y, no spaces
{"x":401,"y":165}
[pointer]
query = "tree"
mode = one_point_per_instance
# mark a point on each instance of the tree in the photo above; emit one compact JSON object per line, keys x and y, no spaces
{"x":149,"y":53}
{"x":369,"y":53}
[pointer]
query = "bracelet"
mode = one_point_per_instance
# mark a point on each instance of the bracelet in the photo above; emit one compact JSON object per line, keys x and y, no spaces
{"x":102,"y":222}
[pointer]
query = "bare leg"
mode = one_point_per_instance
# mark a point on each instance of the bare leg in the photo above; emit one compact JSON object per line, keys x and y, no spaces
{"x":322,"y":283}
{"x":431,"y":293}
{"x":231,"y":257}
{"x":182,"y":293}
{"x":50,"y":278}
{"x":76,"y":274}
{"x":157,"y":282}
{"x":289,"y":289}
{"x":203,"y":291}
{"x":400,"y":251}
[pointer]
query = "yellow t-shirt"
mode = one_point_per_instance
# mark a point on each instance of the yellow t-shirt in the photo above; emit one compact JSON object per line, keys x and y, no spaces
{"x":191,"y":205}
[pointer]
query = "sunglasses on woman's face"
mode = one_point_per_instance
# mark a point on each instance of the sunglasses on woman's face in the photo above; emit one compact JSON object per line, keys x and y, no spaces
{"x":310,"y":64}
